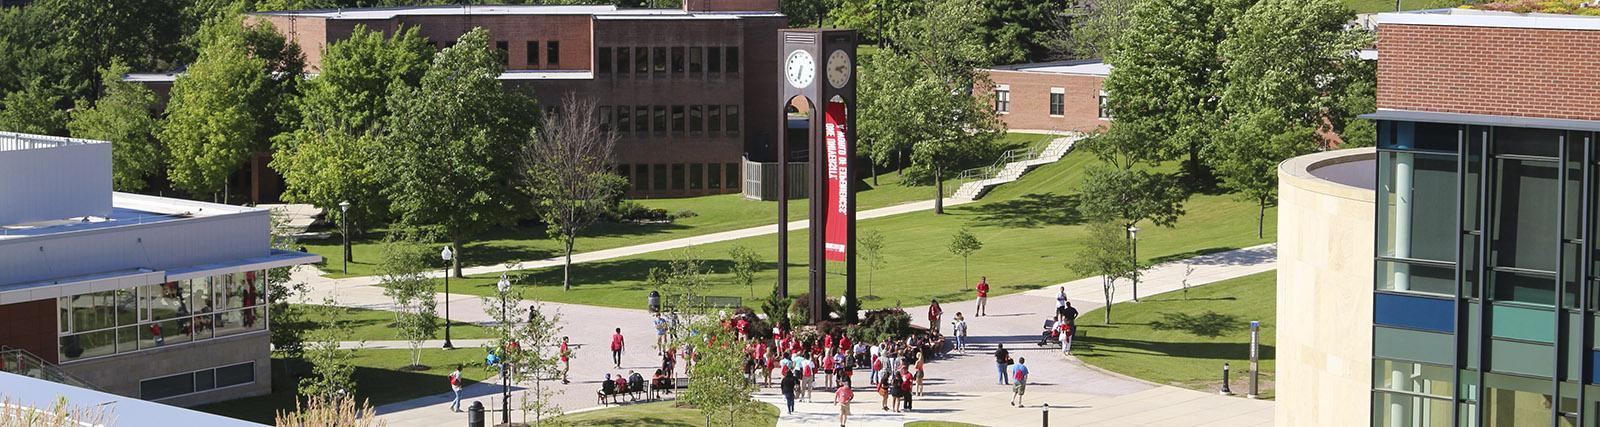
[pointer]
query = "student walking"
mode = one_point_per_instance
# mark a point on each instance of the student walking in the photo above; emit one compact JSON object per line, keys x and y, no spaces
{"x":616,"y":348}
{"x":1019,"y":373}
{"x":787,"y":385}
{"x":455,"y":388}
{"x":1066,"y":338}
{"x":934,"y":314}
{"x":566,"y":360}
{"x":842,"y":396}
{"x":661,"y":334}
{"x":983,"y":296}
{"x":958,"y":328}
{"x":1002,"y":360}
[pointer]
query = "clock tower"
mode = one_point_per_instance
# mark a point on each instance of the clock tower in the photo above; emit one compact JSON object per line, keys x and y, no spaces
{"x":819,"y":71}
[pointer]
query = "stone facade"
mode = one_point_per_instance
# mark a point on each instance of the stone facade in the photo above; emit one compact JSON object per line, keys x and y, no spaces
{"x":121,"y":374}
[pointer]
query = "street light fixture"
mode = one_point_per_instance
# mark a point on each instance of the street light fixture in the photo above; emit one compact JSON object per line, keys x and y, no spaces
{"x":447,"y":255}
{"x":344,"y":222}
{"x":503,"y":286}
{"x":1133,"y":234}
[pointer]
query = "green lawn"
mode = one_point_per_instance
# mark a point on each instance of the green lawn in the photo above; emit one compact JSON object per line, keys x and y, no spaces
{"x":1374,"y":6}
{"x":1028,"y":228}
{"x":377,"y":325}
{"x":377,"y":380}
{"x":661,"y":414}
{"x":1169,"y":340}
{"x":711,"y":214}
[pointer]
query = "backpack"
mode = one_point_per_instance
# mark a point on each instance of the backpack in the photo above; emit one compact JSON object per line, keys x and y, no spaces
{"x":897,"y":382}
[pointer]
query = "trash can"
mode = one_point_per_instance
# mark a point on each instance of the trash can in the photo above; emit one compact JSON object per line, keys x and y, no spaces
{"x":475,"y":414}
{"x":654,"y":302}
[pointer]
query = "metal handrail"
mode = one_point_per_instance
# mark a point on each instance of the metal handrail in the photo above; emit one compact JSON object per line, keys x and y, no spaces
{"x":991,"y":171}
{"x":17,"y":361}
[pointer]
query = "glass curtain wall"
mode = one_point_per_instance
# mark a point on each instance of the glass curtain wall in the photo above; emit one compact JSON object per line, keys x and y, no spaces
{"x":1492,"y":222}
{"x":151,"y":316}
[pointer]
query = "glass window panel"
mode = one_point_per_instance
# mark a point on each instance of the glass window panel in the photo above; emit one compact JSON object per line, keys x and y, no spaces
{"x":658,"y":60}
{"x":714,"y":59}
{"x":641,"y":118}
{"x":677,"y":118}
{"x":697,"y":118}
{"x":1527,"y":141}
{"x":641,"y":61}
{"x":660,"y":124}
{"x":732,"y":171}
{"x":696,"y":175}
{"x":1524,"y":235}
{"x":714,"y":176}
{"x":255,"y":318}
{"x":166,"y":301}
{"x":1418,"y":136}
{"x":677,"y":61}
{"x":552,"y":54}
{"x":230,"y":322}
{"x":127,"y":306}
{"x":733,"y":59}
{"x":732,"y":112}
{"x":641,"y":176}
{"x":89,"y":344}
{"x":1412,"y":377}
{"x":1469,"y":266}
{"x":1399,"y":276}
{"x":696,"y":60}
{"x":603,"y":59}
{"x":605,"y":118}
{"x":168,"y":386}
{"x":1525,"y":288}
{"x":1474,"y":168}
{"x":205,"y":380}
{"x":677,"y":176}
{"x":623,"y":114}
{"x":623,"y":59}
{"x":1399,"y":410}
{"x":659,"y":176}
{"x":127,"y":339}
{"x":714,"y":118}
{"x":243,"y":373}
{"x":168,"y":332}
{"x":1418,"y":196}
{"x":1516,"y":401}
{"x":532,"y":47}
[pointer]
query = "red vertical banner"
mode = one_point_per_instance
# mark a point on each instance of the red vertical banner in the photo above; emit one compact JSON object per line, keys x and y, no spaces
{"x":834,"y":245}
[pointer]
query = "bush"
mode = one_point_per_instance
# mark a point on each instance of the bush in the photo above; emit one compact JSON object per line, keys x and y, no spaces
{"x":758,"y":326}
{"x":681,"y":214}
{"x":800,"y":309}
{"x":882,"y":324}
{"x":628,"y":210}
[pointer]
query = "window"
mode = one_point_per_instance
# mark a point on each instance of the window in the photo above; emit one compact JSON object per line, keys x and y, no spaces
{"x":696,"y":176}
{"x":677,"y":119}
{"x":503,"y":49}
{"x":533,"y":56}
{"x":714,"y":176}
{"x":197,"y":381}
{"x":696,"y":60}
{"x":605,"y":118}
{"x":732,"y":171}
{"x":623,"y":124}
{"x":714,"y":118}
{"x":733,"y":118}
{"x":641,"y":118}
{"x":1105,"y":107}
{"x":622,"y":171}
{"x":733,"y":59}
{"x":168,"y":386}
{"x":677,"y":61}
{"x":144,"y":317}
{"x":1057,"y":101}
{"x":660,"y":124}
{"x":1412,"y":393}
{"x":623,"y":59}
{"x":696,"y":118}
{"x":714,"y":60}
{"x":641,"y":177}
{"x":603,"y":61}
{"x":243,"y":373}
{"x":1002,"y":99}
{"x":552,"y":53}
{"x":658,"y":61}
{"x":659,"y":177}
{"x":641,"y":61}
{"x":677,"y":176}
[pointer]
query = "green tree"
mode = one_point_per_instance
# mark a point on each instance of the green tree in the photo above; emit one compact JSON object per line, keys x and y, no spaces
{"x":1018,"y":31}
{"x":1089,"y":28}
{"x":871,"y":245}
{"x":289,"y":328}
{"x":1296,"y":59}
{"x":874,"y":18}
{"x":1249,"y":151}
{"x":745,"y":263}
{"x":452,"y":144}
{"x":332,"y":367}
{"x":806,"y":13}
{"x":571,"y":174}
{"x":1105,"y":254}
{"x":33,"y":110}
{"x":963,"y":244}
{"x":528,"y":350}
{"x":908,"y":109}
{"x":720,"y":388}
{"x":405,"y":281}
{"x":1128,"y":196}
{"x":682,"y":284}
{"x":333,"y":156}
{"x":123,"y":116}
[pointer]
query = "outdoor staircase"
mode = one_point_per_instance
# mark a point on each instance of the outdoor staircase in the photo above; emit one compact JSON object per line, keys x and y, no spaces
{"x":21,"y":362}
{"x":1010,"y":168}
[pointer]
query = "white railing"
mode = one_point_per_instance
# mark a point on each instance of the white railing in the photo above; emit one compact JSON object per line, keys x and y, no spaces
{"x":10,"y":141}
{"x":999,"y":165}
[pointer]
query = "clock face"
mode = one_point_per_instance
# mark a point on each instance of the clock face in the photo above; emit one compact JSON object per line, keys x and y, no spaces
{"x":839,"y":69}
{"x":800,"y":69}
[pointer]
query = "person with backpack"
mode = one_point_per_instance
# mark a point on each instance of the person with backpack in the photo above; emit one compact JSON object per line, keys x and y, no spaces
{"x":1002,"y":360}
{"x":1019,"y":373}
{"x":455,"y":388}
{"x":616,"y":348}
{"x":983,"y":296}
{"x":788,"y":385}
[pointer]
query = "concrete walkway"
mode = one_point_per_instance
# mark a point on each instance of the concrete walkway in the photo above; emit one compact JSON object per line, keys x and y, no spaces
{"x":962,"y":387}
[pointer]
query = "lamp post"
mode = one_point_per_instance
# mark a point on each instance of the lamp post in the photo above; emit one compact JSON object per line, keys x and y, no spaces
{"x":1133,"y":234}
{"x":344,"y":222}
{"x":505,"y":379}
{"x":447,"y":255}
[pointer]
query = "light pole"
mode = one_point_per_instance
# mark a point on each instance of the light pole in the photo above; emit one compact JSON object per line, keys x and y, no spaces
{"x":505,"y":379}
{"x":344,"y":222}
{"x":446,"y":255}
{"x":1133,"y":234}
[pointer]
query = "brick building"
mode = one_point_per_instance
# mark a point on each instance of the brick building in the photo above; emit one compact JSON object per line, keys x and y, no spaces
{"x":1050,"y":96}
{"x":689,"y":90}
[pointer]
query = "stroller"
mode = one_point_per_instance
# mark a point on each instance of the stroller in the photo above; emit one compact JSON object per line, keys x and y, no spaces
{"x":1049,"y":336}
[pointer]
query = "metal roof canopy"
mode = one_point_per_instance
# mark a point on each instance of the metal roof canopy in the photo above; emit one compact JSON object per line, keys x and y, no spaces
{"x":1484,"y":120}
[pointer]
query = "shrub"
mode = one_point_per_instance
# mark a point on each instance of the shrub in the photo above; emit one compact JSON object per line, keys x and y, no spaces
{"x":800,"y":309}
{"x":882,"y":324}
{"x":682,"y":214}
{"x":628,"y":210}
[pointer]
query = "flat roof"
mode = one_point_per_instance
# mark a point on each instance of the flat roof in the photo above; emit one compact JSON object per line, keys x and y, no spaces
{"x":598,"y":11}
{"x":12,"y":141}
{"x":1460,"y":17}
{"x":507,"y":75}
{"x":1483,"y":119}
{"x":28,"y":392}
{"x":126,"y":209}
{"x":1091,"y":67}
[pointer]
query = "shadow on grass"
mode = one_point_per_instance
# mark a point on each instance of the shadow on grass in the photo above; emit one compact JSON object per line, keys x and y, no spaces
{"x":1032,"y":210}
{"x":1104,"y":347}
{"x":1210,"y":324}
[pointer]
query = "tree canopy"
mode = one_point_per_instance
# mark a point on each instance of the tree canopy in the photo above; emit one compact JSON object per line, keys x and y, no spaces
{"x":124,"y":117}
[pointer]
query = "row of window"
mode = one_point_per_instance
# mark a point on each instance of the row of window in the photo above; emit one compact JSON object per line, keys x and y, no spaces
{"x":1419,"y":394}
{"x":1058,"y":101}
{"x":552,"y":56}
{"x":678,"y":61}
{"x":197,"y":381}
{"x":680,"y":176}
{"x":150,"y":316}
{"x":656,"y":118}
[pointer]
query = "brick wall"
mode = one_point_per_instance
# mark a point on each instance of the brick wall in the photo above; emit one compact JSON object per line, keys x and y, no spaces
{"x":310,"y":33}
{"x":1484,"y":70}
{"x":730,"y":5}
{"x":1030,"y":100}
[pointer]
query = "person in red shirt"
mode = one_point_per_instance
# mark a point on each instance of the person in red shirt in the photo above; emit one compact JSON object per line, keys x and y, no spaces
{"x":983,"y":295}
{"x":906,"y":381}
{"x":934,"y":314}
{"x":616,"y":348}
{"x":566,"y":361}
{"x":1065,"y":335}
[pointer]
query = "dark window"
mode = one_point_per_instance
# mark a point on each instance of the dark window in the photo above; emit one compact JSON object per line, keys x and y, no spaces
{"x":696,"y":175}
{"x":623,"y":59}
{"x":714,"y":176}
{"x":641,"y":118}
{"x":641,"y":61}
{"x":660,"y":124}
{"x":641,"y":177}
{"x":733,"y":118}
{"x":205,"y":380}
{"x":243,"y":373}
{"x":714,"y":118}
{"x":603,"y":60}
{"x":167,"y":386}
{"x":696,"y":60}
{"x":659,"y":177}
{"x":677,"y":176}
{"x":1431,"y":137}
{"x":714,"y":59}
{"x":552,"y":53}
{"x":605,"y":118}
{"x":1002,"y":100}
{"x":677,"y":118}
{"x":697,"y":118}
{"x":1105,"y":106}
{"x":658,"y":61}
{"x":623,"y":113}
{"x":732,"y":171}
{"x":1057,"y":101}
{"x":677,"y":61}
{"x":622,"y":171}
{"x":533,"y":55}
{"x":503,"y":49}
{"x":733,"y":59}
